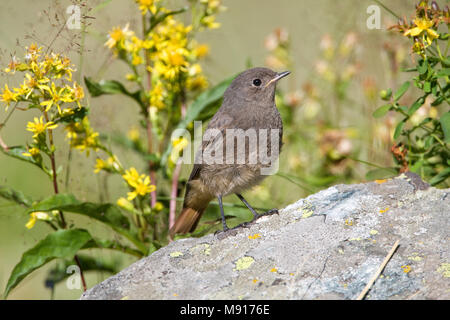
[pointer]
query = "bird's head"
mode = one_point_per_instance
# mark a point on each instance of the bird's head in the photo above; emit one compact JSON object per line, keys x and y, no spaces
{"x":254,"y":85}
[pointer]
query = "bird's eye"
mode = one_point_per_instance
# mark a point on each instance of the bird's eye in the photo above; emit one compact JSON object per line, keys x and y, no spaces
{"x":257,"y":82}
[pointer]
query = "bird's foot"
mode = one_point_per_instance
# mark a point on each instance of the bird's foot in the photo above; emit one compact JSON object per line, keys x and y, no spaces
{"x":267,"y":213}
{"x":227,"y":232}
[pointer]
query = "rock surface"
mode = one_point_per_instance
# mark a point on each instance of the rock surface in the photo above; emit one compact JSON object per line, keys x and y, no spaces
{"x":326,"y":246}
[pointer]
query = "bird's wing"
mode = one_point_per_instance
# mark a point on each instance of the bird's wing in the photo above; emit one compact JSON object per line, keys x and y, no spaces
{"x":221,"y":122}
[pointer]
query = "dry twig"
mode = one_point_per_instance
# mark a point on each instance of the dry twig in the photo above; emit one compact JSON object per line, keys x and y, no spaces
{"x":380,"y":269}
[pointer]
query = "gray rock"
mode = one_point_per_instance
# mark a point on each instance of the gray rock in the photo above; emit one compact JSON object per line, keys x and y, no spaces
{"x":326,"y":246}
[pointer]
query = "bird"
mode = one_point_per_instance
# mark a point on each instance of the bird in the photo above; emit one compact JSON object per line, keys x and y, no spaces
{"x":248,"y":107}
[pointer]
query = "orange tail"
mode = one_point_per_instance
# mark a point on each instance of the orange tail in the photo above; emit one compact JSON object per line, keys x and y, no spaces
{"x":187,"y":221}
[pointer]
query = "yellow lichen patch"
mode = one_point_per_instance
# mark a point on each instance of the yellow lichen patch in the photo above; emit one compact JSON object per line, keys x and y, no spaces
{"x":444,"y":269}
{"x":255,"y":280}
{"x":348,"y":222}
{"x":202,"y":248}
{"x":306,"y":211}
{"x":176,"y":254}
{"x":384,"y":210}
{"x":354,"y":239}
{"x":175,"y":294}
{"x":406,"y":268}
{"x":255,"y":236}
{"x":380,"y":181}
{"x":274,"y":270}
{"x":244,"y":263}
{"x":415,"y":257}
{"x":292,"y":274}
{"x":373,"y":232}
{"x":125,"y":298}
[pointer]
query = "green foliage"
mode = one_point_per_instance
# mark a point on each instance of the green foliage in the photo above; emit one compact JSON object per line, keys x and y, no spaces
{"x":61,"y":244}
{"x":422,"y":143}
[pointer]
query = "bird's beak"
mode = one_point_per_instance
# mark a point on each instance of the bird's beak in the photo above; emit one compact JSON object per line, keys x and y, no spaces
{"x":278,"y":77}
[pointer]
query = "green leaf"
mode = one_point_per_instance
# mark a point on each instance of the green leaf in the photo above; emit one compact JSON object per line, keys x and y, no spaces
{"x":416,"y":105}
{"x":15,"y":196}
{"x":79,"y":114}
{"x":87,"y":263}
{"x":381,"y":111}
{"x":59,"y":244}
{"x":112,"y":245}
{"x":427,"y":86}
{"x":18,"y":151}
{"x":207,"y":102}
{"x":440,"y":177}
{"x":422,"y":67}
{"x":106,"y":213}
{"x":445,"y":123}
{"x":416,"y":166}
{"x":443,"y":73}
{"x":97,"y":89}
{"x":400,"y":92}
{"x":398,"y":129}
{"x":155,"y":20}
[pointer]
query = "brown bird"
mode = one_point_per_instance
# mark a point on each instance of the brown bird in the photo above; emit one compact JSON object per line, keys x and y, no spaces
{"x":248,"y":110}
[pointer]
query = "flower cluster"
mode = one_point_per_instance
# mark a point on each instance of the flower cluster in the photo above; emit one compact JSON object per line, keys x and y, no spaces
{"x":47,"y":82}
{"x":139,"y":183}
{"x":424,"y":27}
{"x":47,"y":86}
{"x":82,"y":136}
{"x":167,"y":51}
{"x":210,"y":10}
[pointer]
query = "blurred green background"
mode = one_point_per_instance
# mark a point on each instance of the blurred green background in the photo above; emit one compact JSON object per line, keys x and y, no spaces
{"x":239,"y":41}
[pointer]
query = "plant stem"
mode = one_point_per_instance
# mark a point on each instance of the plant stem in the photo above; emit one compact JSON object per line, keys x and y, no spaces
{"x":55,"y":187}
{"x":148,"y":119}
{"x":83,"y":281}
{"x":173,"y":193}
{"x":3,"y":145}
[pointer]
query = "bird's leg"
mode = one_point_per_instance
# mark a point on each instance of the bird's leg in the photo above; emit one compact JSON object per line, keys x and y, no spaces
{"x":256,"y":215}
{"x":224,"y":223}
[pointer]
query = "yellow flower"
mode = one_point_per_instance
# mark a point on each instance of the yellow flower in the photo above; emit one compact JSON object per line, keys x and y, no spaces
{"x":201,"y":51}
{"x":423,"y":25}
{"x":133,"y":134}
{"x":140,"y":183}
{"x":56,"y":96}
{"x":125,"y":204}
{"x":158,"y":206}
{"x":38,"y":126}
{"x":141,"y":188}
{"x":180,"y":143}
{"x":209,"y":22}
{"x":117,"y":36}
{"x":78,"y":93}
{"x":7,"y":96}
{"x":12,"y":66}
{"x":32,"y":152}
{"x":110,"y":164}
{"x":197,"y":83}
{"x":147,"y":5}
{"x":157,"y":96}
{"x":131,"y":176}
{"x":34,"y":216}
{"x":137,"y":59}
{"x":82,"y":136}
